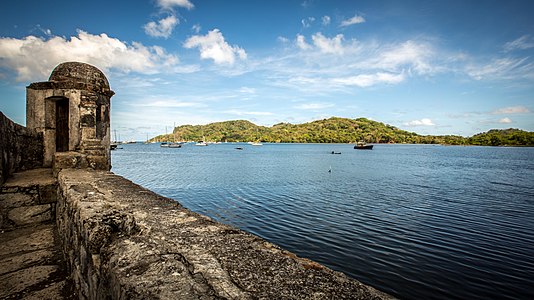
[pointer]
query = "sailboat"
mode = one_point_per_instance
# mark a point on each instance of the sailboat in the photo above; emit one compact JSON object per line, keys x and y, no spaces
{"x":172,"y":144}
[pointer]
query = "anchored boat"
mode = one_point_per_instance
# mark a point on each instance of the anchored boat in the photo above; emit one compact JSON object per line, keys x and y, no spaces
{"x":363,"y":146}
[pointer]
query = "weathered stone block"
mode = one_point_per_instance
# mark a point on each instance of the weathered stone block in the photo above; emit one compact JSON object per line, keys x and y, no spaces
{"x":31,"y":214}
{"x":98,"y":162}
{"x":68,"y":160}
{"x":18,"y":281}
{"x":25,"y":260}
{"x":16,"y":200}
{"x":48,"y":193}
{"x":88,"y":120}
{"x":88,"y":133}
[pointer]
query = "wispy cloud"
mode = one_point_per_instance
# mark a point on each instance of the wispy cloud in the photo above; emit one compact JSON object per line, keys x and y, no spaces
{"x":522,"y":43}
{"x":357,"y":19}
{"x":505,"y":121}
{"x":167,"y":103}
{"x":306,"y":3}
{"x":196,"y":28}
{"x":422,"y":122}
{"x":325,"y":20}
{"x":162,"y":28}
{"x":282,"y":39}
{"x":45,"y":31}
{"x":170,"y":4}
{"x":366,"y":80}
{"x":247,"y":113}
{"x":33,"y":58}
{"x":503,"y":69}
{"x":247,"y":90}
{"x":213,"y":46}
{"x":511,"y":110}
{"x":332,"y":62}
{"x":416,"y":56}
{"x":307,"y":22}
{"x":314,"y":106}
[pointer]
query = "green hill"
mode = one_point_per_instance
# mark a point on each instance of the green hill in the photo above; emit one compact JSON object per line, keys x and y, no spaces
{"x":504,"y":137}
{"x":336,"y":130}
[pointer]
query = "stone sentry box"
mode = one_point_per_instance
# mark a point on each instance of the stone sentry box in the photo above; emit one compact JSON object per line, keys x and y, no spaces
{"x":72,"y":110}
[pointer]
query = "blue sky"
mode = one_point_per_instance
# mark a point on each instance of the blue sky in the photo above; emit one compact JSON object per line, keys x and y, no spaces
{"x":432,"y":67}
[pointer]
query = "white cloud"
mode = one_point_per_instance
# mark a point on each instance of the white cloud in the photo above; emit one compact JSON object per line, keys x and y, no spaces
{"x":355,"y":63}
{"x":505,"y":121}
{"x":305,"y":81}
{"x":422,"y":122}
{"x":163,"y":28}
{"x":169,"y":4}
{"x":503,"y":69}
{"x":522,"y":43}
{"x":328,"y":45}
{"x":409,"y":54}
{"x":314,"y":106}
{"x":325,"y":20}
{"x":366,"y":80}
{"x":301,"y":42}
{"x":33,"y":58}
{"x":511,"y":110}
{"x":213,"y":46}
{"x":283,"y":39}
{"x":354,"y":20}
{"x":247,"y":90}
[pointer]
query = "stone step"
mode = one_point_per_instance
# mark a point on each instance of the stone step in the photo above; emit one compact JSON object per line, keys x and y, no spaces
{"x":28,"y":197}
{"x":92,"y":143}
{"x":32,"y":265}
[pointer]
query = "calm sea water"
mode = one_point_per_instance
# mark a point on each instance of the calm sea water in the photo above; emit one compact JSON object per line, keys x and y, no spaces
{"x":416,"y":221}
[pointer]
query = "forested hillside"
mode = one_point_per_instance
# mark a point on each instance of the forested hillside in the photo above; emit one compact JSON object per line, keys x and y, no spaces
{"x":505,"y":137}
{"x":336,"y":130}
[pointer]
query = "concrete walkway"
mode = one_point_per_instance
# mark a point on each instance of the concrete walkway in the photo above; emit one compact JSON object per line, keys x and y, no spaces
{"x":32,"y":265}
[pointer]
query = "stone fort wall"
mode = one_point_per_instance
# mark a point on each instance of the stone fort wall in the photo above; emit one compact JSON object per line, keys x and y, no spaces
{"x":20,"y":148}
{"x":125,"y":242}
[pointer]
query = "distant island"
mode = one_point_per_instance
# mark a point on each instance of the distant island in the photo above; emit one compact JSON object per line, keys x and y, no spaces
{"x":337,"y":130}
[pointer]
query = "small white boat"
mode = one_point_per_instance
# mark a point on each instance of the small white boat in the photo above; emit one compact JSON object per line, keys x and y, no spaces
{"x":174,"y":145}
{"x":256,"y":144}
{"x":201,"y":143}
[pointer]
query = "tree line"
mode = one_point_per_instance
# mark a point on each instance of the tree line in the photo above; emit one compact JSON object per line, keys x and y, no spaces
{"x":337,"y":130}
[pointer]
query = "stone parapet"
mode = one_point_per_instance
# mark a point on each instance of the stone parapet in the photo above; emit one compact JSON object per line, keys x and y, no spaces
{"x":125,"y":242}
{"x":72,"y":160}
{"x":20,"y":148}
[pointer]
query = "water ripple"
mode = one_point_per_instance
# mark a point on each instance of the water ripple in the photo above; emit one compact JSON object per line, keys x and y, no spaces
{"x":419,"y":222}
